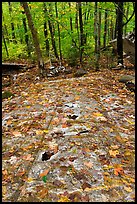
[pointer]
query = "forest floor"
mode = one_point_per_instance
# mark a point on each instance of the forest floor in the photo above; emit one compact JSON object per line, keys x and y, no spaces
{"x":69,"y":140}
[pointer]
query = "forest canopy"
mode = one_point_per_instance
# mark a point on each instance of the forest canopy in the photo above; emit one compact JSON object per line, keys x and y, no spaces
{"x":65,"y":29}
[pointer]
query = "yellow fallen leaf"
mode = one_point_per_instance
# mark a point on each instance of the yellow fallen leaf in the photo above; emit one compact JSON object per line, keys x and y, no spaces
{"x":4,"y":190}
{"x":45,"y":131}
{"x":30,"y":179}
{"x":113,"y":153}
{"x":98,"y":114}
{"x":64,"y":199}
{"x":128,"y":189}
{"x":39,"y":132}
{"x":114,"y":146}
{"x":131,"y":122}
{"x":127,"y":153}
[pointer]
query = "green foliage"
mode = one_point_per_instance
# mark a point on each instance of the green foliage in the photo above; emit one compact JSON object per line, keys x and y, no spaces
{"x":7,"y":94}
{"x":19,"y":50}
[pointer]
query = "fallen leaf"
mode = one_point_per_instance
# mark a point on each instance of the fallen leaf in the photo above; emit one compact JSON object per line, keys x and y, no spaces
{"x":98,"y":114}
{"x":43,"y":193}
{"x":113,"y":153}
{"x":64,"y":199}
{"x":16,"y":133}
{"x":21,"y":173}
{"x":114,"y":146}
{"x":64,"y":125}
{"x":30,"y":179}
{"x":88,"y":164}
{"x":44,"y":173}
{"x":128,"y":189}
{"x":45,"y":131}
{"x":5,"y":172}
{"x":39,"y":132}
{"x":118,"y":171}
{"x":28,"y":157}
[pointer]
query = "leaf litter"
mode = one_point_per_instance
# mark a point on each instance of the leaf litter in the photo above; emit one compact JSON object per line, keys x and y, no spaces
{"x":84,"y":126}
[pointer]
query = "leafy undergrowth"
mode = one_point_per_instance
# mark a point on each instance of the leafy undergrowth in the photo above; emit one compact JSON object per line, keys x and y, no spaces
{"x":69,"y":139}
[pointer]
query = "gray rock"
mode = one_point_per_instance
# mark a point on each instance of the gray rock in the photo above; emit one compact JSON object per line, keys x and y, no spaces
{"x":79,"y":73}
{"x":126,"y":78}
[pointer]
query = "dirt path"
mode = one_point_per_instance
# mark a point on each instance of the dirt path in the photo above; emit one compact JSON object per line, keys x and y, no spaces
{"x":85,"y":129}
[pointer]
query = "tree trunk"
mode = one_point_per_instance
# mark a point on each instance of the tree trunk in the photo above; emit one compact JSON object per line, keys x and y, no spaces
{"x":46,"y":30}
{"x":81,"y":31}
{"x":35,"y":38}
{"x":96,"y":37}
{"x":120,"y":32}
{"x":51,"y":28}
{"x":4,"y":41}
{"x":105,"y":28}
{"x":26,"y":34}
{"x":58,"y":32}
{"x":99,"y":32}
{"x":127,"y":12}
{"x":76,"y":23}
{"x":12,"y":24}
{"x":5,"y":30}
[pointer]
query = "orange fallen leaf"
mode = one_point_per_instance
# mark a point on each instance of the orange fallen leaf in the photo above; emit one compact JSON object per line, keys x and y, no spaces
{"x":88,"y":164}
{"x":16,"y":133}
{"x":28,"y":157}
{"x":119,"y":139}
{"x":9,"y":122}
{"x":21,"y":173}
{"x":64,"y":125}
{"x":44,"y":173}
{"x":118,"y":171}
{"x":43,"y":193}
{"x":5,"y":172}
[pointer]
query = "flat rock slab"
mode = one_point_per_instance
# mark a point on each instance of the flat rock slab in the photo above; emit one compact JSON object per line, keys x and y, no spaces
{"x":89,"y":157}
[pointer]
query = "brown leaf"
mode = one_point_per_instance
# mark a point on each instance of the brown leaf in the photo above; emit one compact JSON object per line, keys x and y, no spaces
{"x":43,"y":193}
{"x":28,"y":157}
{"x":86,"y":185}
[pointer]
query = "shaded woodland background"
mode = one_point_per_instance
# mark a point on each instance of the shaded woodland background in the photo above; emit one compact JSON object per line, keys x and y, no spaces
{"x":72,"y":31}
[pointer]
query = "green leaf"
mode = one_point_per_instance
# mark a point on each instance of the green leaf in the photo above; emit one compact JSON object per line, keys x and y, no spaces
{"x":44,"y":178}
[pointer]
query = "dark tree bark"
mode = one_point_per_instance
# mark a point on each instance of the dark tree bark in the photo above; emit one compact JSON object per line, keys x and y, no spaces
{"x":4,"y":41}
{"x":127,"y":12}
{"x":99,"y":31}
{"x":12,"y":24}
{"x":5,"y":30}
{"x":46,"y":30}
{"x":96,"y":37}
{"x":58,"y":32}
{"x":120,"y":32}
{"x":70,"y":19}
{"x":35,"y":37}
{"x":82,"y":40}
{"x":105,"y":28}
{"x":26,"y":33}
{"x":51,"y":28}
{"x":76,"y":22}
